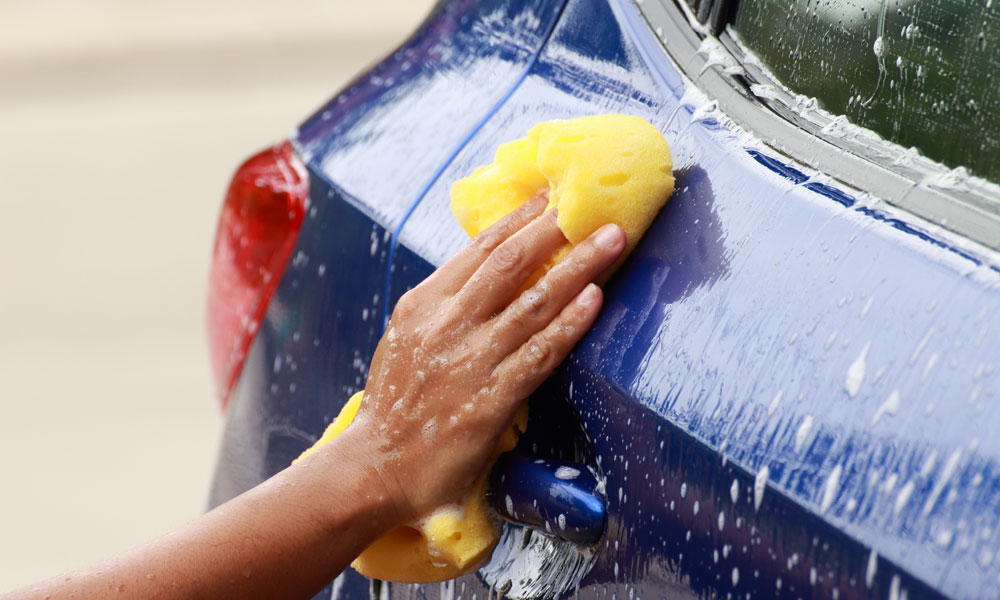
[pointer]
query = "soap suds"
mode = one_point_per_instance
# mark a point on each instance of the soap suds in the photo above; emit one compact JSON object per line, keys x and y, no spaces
{"x":773,"y":406}
{"x":856,"y":372}
{"x":567,"y":473}
{"x":871,"y":569}
{"x":942,"y":481}
{"x":831,"y":488}
{"x":889,"y":407}
{"x":803,"y":432}
{"x":759,"y":485}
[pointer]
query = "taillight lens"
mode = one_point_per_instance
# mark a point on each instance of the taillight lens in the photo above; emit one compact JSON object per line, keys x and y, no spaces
{"x":259,"y":224}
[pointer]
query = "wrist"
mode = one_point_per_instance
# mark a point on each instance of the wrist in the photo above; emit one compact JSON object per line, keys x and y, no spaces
{"x":361,"y":479}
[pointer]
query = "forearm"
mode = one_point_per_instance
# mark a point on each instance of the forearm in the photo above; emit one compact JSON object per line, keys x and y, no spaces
{"x":479,"y":348}
{"x":286,"y":538}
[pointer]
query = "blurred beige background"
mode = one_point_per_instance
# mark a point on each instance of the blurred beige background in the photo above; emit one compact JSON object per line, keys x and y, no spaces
{"x":120,"y":124}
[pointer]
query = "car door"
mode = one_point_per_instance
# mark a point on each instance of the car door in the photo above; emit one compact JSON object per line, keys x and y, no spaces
{"x":784,"y":394}
{"x":788,"y":392}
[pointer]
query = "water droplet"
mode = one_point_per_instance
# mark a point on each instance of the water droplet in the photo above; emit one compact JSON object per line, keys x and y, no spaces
{"x":943,"y":538}
{"x":894,"y":588}
{"x":856,"y":372}
{"x":867,"y":307}
{"x":803,"y":432}
{"x":903,"y":497}
{"x":889,"y":407}
{"x":774,"y":403}
{"x":920,"y":346}
{"x":830,"y":340}
{"x":871,"y":569}
{"x":930,"y":365}
{"x":879,"y":46}
{"x":759,"y":485}
{"x":942,"y":481}
{"x":831,"y":488}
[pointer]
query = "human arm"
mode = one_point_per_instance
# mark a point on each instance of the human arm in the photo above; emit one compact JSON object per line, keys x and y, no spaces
{"x":285,"y":538}
{"x":461,"y":353}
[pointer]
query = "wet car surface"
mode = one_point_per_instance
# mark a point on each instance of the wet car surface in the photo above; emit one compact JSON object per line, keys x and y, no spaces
{"x":792,"y":387}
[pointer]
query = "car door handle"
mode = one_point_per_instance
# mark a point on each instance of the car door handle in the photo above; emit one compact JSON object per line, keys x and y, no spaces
{"x":562,"y":498}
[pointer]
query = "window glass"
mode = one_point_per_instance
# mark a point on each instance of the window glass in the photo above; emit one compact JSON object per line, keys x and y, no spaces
{"x":923,"y":73}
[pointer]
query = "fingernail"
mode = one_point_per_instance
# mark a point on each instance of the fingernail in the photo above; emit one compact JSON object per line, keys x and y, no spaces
{"x":589,"y":295}
{"x":608,"y":236}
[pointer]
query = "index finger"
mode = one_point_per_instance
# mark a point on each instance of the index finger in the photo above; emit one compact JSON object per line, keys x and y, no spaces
{"x":452,"y":275}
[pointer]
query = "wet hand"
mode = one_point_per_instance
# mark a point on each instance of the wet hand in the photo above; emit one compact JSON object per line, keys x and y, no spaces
{"x":464,"y":349}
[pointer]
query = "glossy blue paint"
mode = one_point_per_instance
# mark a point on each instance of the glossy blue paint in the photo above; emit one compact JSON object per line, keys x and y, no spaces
{"x":560,"y":497}
{"x":437,"y":173}
{"x":383,"y":136}
{"x":791,"y":389}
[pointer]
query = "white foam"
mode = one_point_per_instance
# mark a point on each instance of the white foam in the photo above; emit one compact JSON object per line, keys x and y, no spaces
{"x":889,"y":407}
{"x":803,"y":432}
{"x":567,"y":473}
{"x":903,"y":497}
{"x":831,"y":488}
{"x":856,"y":372}
{"x":920,"y":346}
{"x":871,"y":569}
{"x":759,"y":486}
{"x":942,"y":481}
{"x":773,"y":406}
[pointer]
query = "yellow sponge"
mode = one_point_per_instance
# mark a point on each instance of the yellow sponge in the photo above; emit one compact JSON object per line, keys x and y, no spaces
{"x":451,"y":541}
{"x":599,"y":169}
{"x":338,"y":425}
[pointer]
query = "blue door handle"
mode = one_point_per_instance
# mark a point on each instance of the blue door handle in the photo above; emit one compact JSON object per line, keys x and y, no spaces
{"x":562,"y":498}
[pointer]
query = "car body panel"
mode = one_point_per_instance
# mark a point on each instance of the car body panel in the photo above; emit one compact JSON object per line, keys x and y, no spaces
{"x":791,"y":388}
{"x":369,"y":153}
{"x":381,"y":139}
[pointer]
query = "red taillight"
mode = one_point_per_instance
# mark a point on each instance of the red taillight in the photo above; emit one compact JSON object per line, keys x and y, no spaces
{"x":258,"y":226}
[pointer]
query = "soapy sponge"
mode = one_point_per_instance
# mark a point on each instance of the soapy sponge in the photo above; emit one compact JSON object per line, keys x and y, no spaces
{"x":451,"y":541}
{"x":599,"y":169}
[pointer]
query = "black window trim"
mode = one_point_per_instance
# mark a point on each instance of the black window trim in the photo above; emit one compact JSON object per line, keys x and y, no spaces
{"x":916,"y":185}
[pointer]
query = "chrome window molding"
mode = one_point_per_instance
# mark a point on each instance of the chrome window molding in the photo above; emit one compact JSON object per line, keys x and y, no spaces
{"x":796,"y":127}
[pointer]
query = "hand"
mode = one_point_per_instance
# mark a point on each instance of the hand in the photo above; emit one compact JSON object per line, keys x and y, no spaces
{"x":463,"y":350}
{"x":461,"y":353}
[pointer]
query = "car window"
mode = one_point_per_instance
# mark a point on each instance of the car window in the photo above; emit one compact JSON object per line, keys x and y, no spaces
{"x":923,"y":74}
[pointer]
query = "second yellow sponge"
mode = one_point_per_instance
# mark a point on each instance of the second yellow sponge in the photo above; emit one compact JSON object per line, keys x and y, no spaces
{"x":452,"y":540}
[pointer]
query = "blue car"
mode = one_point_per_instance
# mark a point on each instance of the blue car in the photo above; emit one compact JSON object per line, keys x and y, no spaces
{"x":792,"y":391}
